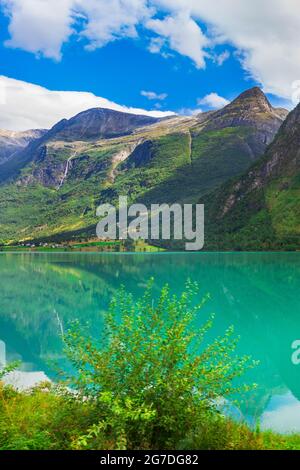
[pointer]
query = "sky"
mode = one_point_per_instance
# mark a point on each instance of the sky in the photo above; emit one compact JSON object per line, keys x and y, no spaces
{"x":59,"y":57}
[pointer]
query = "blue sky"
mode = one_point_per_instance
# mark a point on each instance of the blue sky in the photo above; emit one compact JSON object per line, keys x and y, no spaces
{"x":137,"y":49}
{"x":122,"y":69}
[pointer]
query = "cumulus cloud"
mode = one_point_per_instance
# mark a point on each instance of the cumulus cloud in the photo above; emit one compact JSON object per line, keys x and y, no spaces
{"x":221,"y":58}
{"x":189,"y":111}
{"x":43,"y":26}
{"x":106,"y":21}
{"x":27,"y":106}
{"x":39,"y":26}
{"x":213,"y":101}
{"x":183,"y":35}
{"x":266,"y":33}
{"x":151,"y":95}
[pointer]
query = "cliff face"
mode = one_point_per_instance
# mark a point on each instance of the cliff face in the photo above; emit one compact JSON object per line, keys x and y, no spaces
{"x":282,"y":159}
{"x":263,"y":204}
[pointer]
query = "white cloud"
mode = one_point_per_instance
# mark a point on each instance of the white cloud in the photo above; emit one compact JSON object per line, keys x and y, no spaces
{"x":221,"y":58}
{"x":266,"y":33}
{"x":151,"y":95}
{"x":43,"y":26}
{"x":39,"y":26}
{"x":156,"y":45}
{"x":213,"y":101}
{"x":159,"y":45}
{"x":189,"y":111}
{"x":110,"y":20}
{"x":27,"y":106}
{"x":183,"y":35}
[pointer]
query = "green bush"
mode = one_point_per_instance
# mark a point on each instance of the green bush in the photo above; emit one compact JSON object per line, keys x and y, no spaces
{"x":149,"y":377}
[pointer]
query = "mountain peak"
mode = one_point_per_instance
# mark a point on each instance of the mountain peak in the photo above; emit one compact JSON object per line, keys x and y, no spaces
{"x":254,"y":100}
{"x":254,"y":91}
{"x":250,"y":109}
{"x":101,"y":123}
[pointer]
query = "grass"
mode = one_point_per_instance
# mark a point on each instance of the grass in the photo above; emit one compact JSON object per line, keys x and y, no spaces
{"x":47,"y":419}
{"x":117,"y":245}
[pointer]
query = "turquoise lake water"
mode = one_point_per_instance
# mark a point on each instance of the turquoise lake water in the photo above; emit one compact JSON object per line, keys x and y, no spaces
{"x":257,"y":293}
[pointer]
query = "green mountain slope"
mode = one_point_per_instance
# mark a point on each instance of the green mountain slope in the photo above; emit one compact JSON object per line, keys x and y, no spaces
{"x":261,"y":210}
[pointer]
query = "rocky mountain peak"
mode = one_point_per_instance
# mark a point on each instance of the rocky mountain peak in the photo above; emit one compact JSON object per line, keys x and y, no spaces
{"x":254,"y":100}
{"x":283,"y":155}
{"x":250,"y":109}
{"x":100,"y":123}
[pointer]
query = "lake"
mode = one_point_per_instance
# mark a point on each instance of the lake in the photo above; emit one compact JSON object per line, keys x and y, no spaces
{"x":257,"y":293}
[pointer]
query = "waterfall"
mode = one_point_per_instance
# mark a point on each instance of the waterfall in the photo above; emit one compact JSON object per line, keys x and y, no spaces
{"x":65,"y":173}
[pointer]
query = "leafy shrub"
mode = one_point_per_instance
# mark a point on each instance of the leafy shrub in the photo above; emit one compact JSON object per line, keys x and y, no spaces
{"x":149,"y":377}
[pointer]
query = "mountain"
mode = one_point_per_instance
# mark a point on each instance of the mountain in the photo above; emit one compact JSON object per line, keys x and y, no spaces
{"x":251,"y":109}
{"x":53,"y":187}
{"x":261,"y":209}
{"x":12,"y":142}
{"x":218,"y":146}
{"x":92,"y":124}
{"x":100,"y":123}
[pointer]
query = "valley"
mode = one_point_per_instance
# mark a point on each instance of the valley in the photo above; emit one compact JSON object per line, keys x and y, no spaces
{"x":50,"y":189}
